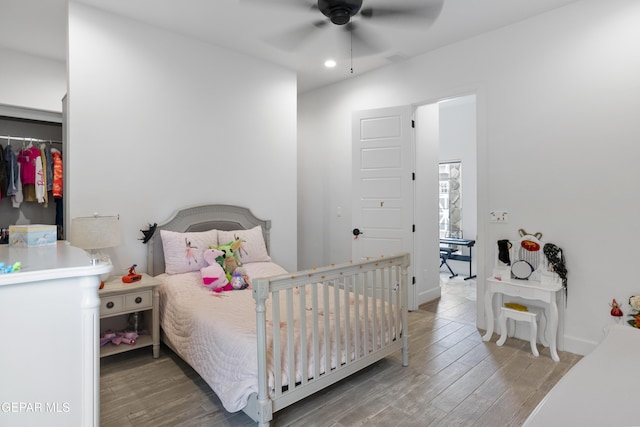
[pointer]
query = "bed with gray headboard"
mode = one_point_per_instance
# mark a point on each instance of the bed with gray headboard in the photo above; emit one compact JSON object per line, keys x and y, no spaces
{"x":331,"y":321}
{"x":202,"y":218}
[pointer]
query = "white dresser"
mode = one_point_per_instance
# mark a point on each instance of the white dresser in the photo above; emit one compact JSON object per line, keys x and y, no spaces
{"x":49,"y":348}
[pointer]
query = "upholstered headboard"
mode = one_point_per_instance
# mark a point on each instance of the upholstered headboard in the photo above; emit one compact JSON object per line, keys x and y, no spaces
{"x":202,"y":218}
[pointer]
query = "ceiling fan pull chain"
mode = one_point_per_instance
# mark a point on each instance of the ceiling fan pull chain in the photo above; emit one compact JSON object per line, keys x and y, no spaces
{"x":351,"y":47}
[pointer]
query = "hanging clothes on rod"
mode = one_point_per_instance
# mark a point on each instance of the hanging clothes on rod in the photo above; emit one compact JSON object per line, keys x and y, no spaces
{"x":4,"y":177}
{"x":28,"y":139}
{"x":14,"y":186}
{"x":30,"y":171}
{"x":37,"y":160}
{"x":30,"y":163}
{"x":57,"y":173}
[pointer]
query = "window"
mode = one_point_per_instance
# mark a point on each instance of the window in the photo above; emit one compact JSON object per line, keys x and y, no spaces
{"x":450,"y":199}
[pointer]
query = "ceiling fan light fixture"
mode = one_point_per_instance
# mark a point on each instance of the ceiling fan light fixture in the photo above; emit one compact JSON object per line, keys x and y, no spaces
{"x":330,"y":63}
{"x":340,"y":16}
{"x":339,"y":12}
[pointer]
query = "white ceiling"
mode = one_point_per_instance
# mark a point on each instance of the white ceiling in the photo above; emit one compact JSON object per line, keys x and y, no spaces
{"x":253,"y":27}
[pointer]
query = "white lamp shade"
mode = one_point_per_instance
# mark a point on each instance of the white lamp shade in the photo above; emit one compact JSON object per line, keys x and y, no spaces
{"x":95,"y":232}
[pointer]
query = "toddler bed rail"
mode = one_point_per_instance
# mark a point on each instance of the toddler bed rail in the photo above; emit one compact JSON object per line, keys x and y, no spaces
{"x":319,"y":326}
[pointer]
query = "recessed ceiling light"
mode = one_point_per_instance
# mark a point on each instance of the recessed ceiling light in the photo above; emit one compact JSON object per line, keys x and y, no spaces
{"x":329,"y":63}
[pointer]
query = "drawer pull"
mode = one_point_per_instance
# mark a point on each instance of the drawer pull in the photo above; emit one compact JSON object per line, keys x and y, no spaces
{"x":110,"y":304}
{"x":138,"y":300}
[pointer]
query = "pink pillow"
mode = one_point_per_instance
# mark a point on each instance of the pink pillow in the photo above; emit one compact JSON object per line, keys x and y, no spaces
{"x":183,"y":252}
{"x":253,"y":246}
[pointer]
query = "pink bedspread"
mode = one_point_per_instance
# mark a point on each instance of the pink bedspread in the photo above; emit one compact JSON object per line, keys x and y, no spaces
{"x":216,"y":333}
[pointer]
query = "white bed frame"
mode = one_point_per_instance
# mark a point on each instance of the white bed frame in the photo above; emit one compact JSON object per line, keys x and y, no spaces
{"x":383,"y":282}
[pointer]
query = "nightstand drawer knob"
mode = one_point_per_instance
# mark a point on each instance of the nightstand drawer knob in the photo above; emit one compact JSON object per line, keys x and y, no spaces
{"x":110,"y":304}
{"x":138,"y":300}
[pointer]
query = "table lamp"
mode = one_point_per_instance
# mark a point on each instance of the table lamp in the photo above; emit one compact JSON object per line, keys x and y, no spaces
{"x":93,"y":233}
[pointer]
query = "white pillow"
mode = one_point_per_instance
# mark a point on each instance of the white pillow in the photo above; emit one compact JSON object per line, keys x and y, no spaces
{"x":253,"y":246}
{"x":183,"y":251}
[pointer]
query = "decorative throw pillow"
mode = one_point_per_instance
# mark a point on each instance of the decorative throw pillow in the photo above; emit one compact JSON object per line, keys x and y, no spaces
{"x":183,"y":251}
{"x":253,"y":246}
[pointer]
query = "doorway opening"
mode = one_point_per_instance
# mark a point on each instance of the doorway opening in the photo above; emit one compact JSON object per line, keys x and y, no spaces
{"x":445,"y":139}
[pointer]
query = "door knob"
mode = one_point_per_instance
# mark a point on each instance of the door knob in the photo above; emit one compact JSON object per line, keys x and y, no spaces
{"x":356,"y":232}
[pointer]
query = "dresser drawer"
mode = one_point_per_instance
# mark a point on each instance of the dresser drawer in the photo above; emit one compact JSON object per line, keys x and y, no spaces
{"x":138,"y":300}
{"x":111,"y":305}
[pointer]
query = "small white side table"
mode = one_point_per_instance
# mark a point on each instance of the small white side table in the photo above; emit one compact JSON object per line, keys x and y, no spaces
{"x":120,"y":299}
{"x":527,"y":289}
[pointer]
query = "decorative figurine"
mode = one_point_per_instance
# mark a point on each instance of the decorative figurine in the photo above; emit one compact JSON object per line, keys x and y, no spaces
{"x":148,"y":233}
{"x":615,"y":309}
{"x":132,"y":277}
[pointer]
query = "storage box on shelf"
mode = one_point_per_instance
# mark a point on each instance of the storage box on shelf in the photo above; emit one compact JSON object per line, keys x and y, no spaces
{"x":32,"y":235}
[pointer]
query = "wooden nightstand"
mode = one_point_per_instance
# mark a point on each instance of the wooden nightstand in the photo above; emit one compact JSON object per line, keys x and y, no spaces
{"x":119,"y":300}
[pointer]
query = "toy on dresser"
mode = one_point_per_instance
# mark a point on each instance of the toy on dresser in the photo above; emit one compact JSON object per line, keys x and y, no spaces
{"x":521,"y":260}
{"x":527,"y":256}
{"x":132,"y":277}
{"x":530,"y":259}
{"x":12,"y":268}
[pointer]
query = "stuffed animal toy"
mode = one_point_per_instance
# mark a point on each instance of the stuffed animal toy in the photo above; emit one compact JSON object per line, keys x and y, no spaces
{"x":116,"y":338}
{"x":228,"y":258}
{"x":230,"y":264}
{"x":240,"y":279}
{"x":245,"y":276}
{"x":213,"y":275}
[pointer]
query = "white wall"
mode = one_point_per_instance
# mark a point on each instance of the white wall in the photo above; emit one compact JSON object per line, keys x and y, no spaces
{"x":31,"y":82}
{"x":557,"y":145}
{"x":158,"y":121}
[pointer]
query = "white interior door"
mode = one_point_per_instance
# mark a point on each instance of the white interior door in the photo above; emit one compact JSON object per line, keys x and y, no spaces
{"x":383,"y":184}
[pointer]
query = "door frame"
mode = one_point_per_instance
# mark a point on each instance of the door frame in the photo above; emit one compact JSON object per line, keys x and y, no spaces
{"x":481,"y":249}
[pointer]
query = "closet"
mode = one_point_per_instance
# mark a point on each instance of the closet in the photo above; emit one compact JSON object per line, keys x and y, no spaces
{"x":35,"y":206}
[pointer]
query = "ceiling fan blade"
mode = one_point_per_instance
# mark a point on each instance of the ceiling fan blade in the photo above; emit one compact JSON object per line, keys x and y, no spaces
{"x":292,"y":39}
{"x":300,"y":4}
{"x":416,"y":15}
{"x":363,"y":42}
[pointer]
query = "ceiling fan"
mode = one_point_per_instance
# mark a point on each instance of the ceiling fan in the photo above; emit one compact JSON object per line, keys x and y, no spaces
{"x":340,"y":12}
{"x":417,"y":14}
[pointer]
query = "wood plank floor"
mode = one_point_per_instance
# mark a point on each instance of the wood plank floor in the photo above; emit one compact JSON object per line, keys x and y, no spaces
{"x":453,"y":379}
